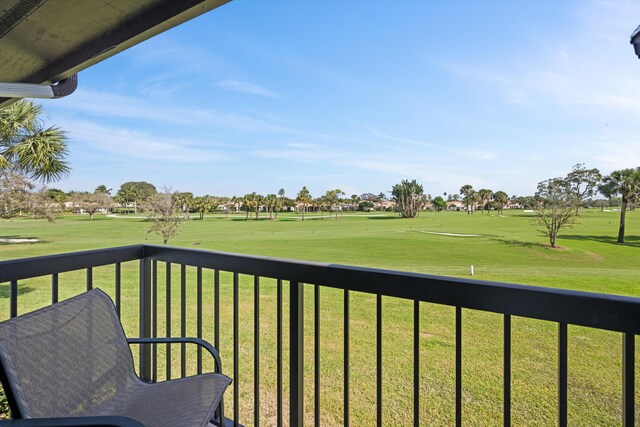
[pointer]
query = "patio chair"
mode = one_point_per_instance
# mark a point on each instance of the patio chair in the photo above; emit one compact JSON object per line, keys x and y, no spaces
{"x":72,"y":359}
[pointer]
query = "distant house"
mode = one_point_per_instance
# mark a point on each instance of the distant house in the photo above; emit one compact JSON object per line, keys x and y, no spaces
{"x":384,"y":205}
{"x":231,"y":206}
{"x":455,"y":205}
{"x":76,"y":208}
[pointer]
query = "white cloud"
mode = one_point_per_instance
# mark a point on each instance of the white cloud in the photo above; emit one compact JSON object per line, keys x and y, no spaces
{"x":473,"y":154}
{"x":592,"y":68}
{"x":123,"y":142}
{"x":619,"y":155}
{"x":103,"y":104}
{"x":250,"y":88}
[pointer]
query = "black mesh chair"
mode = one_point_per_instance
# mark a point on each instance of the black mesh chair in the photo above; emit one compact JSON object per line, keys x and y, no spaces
{"x":72,"y":359}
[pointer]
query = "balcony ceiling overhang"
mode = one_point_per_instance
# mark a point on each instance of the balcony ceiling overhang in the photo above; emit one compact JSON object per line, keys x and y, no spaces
{"x":45,"y":41}
{"x":635,"y":41}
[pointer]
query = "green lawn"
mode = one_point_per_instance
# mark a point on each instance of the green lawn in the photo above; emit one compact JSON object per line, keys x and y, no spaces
{"x":508,"y":249}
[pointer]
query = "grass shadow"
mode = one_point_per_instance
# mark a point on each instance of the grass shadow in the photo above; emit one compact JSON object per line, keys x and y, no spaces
{"x":385,"y":217}
{"x":522,"y":215}
{"x":520,"y":244}
{"x":5,"y":291}
{"x":632,"y":241}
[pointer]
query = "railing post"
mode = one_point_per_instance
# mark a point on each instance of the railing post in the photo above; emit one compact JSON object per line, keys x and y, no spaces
{"x":145,"y":318}
{"x":296,"y":353}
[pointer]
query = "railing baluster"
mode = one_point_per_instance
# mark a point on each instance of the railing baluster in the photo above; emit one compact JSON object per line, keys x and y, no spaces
{"x":279,"y":353}
{"x":628,"y":379}
{"x":416,"y":363}
{"x":167,"y":284}
{"x":216,"y":309}
{"x":256,"y":351}
{"x":183,"y":319}
{"x":316,"y":353}
{"x":296,"y":354}
{"x":199,"y":317}
{"x":118,"y":287}
{"x":145,"y":318}
{"x":458,"y":366}
{"x":562,"y":374}
{"x":89,"y":278}
{"x":379,"y":360}
{"x":236,"y":350}
{"x":154,"y":314}
{"x":54,"y":288}
{"x":506,"y":417}
{"x":13,"y":298}
{"x":346,"y":358}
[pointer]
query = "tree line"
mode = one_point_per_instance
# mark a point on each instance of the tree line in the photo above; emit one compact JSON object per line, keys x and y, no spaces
{"x":31,"y":153}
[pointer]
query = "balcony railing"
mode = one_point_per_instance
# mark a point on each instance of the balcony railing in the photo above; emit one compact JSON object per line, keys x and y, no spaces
{"x":605,"y":312}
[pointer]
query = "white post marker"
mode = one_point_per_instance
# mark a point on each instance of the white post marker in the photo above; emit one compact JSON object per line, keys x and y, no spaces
{"x":472,"y":270}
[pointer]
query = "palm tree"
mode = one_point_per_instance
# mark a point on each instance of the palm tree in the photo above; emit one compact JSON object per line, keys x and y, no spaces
{"x":332,"y":199}
{"x":102,"y":189}
{"x":354,"y":201}
{"x":248,"y":201}
{"x":26,"y":146}
{"x":501,"y":199}
{"x":280,"y":202}
{"x":484,"y":195}
{"x":304,"y":198}
{"x":258,"y":202}
{"x":625,"y":182}
{"x":202,"y":204}
{"x":469,"y":197}
{"x":270,"y":203}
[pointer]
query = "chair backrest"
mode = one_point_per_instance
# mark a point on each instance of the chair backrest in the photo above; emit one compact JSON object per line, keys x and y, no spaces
{"x":68,"y":359}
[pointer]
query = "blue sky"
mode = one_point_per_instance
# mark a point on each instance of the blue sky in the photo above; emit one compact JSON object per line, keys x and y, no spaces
{"x":357,"y":95}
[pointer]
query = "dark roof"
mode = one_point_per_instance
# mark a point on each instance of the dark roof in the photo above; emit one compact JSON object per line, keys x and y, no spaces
{"x":635,"y":41}
{"x":45,"y":41}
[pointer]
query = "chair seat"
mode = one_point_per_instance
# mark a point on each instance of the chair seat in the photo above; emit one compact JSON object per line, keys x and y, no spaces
{"x":189,"y":401}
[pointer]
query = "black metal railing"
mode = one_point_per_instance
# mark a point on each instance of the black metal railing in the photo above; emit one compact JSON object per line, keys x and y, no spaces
{"x":606,"y":312}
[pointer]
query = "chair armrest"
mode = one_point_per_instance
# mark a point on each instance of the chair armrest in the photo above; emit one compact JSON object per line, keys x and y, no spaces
{"x":182,"y":340}
{"x":73,"y":422}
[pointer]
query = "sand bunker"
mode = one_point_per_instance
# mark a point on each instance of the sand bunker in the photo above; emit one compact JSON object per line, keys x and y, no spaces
{"x":5,"y":240}
{"x":452,"y":234}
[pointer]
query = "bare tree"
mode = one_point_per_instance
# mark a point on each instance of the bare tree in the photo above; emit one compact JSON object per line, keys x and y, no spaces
{"x":557,"y":207}
{"x":17,"y":197}
{"x":14,"y":192}
{"x":583,"y":182}
{"x":601,"y":203}
{"x":41,"y":206}
{"x":164,"y":212}
{"x":92,"y":203}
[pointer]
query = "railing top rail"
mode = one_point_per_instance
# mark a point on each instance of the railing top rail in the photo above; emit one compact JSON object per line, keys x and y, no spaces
{"x":611,"y":312}
{"x":24,"y":268}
